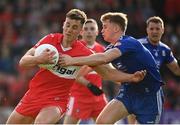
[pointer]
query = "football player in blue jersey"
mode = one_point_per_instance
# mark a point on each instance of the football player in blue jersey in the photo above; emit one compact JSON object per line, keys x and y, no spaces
{"x":160,"y":51}
{"x":144,"y":99}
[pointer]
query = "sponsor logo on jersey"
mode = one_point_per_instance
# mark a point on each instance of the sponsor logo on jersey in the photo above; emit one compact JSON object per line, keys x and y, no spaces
{"x":120,"y":66}
{"x":65,"y":72}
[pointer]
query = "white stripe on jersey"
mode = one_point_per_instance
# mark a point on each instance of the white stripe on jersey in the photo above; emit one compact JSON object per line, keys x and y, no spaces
{"x":143,"y":40}
{"x":70,"y":106}
{"x":159,"y":103}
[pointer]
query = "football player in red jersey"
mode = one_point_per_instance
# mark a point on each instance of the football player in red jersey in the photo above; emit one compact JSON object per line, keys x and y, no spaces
{"x":47,"y":97}
{"x":83,"y":104}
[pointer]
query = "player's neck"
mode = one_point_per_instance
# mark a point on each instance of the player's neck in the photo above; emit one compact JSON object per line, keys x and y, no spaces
{"x":66,"y":43}
{"x":155,"y":43}
{"x":116,"y":38}
{"x":90,"y":43}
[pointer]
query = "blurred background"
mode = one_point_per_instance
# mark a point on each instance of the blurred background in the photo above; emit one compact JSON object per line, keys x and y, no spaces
{"x":24,"y":22}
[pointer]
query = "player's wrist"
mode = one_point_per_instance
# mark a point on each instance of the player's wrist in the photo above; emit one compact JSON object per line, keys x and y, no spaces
{"x":94,"y":89}
{"x":89,"y":85}
{"x":130,"y":78}
{"x":37,"y":60}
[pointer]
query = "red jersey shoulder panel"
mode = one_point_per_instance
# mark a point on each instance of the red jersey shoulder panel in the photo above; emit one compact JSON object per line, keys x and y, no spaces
{"x":53,"y":39}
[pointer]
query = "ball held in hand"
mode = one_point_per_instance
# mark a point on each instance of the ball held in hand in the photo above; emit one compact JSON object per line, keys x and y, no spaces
{"x":43,"y":47}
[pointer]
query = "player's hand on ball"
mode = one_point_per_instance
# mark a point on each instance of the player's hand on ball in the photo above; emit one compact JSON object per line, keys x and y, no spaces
{"x":138,"y":76}
{"x":46,"y":57}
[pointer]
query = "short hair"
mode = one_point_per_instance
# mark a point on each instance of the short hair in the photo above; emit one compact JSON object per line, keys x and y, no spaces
{"x":155,"y":19}
{"x":90,"y":21}
{"x":77,"y":14}
{"x":116,"y":17}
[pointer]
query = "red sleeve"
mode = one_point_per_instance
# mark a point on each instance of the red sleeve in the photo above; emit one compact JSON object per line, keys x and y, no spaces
{"x":98,"y":48}
{"x":44,"y":40}
{"x":83,"y":42}
{"x":86,"y":51}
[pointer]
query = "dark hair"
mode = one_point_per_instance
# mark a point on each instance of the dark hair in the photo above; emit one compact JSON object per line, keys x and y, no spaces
{"x":116,"y":17}
{"x":77,"y":14}
{"x":155,"y":19}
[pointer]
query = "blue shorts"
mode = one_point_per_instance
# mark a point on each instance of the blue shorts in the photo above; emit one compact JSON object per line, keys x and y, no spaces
{"x":146,"y":107}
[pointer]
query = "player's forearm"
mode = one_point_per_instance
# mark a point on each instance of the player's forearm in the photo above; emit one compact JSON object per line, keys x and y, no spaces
{"x":91,"y":60}
{"x":108,"y":73}
{"x":174,"y":67}
{"x":81,"y":80}
{"x":119,"y":77}
{"x":177,"y":71}
{"x":28,"y":61}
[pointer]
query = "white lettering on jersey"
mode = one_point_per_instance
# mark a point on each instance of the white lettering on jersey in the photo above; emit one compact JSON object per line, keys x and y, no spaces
{"x":68,"y":72}
{"x":163,"y":53}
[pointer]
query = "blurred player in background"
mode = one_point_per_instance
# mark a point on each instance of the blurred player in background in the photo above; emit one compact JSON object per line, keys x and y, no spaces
{"x":47,"y":97}
{"x":144,"y":99}
{"x":161,"y":52}
{"x":83,"y":104}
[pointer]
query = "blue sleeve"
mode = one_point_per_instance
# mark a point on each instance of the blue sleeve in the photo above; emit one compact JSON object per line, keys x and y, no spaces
{"x":169,"y":57}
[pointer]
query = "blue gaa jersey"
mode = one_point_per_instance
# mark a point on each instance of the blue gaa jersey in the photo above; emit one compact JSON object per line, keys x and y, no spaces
{"x":136,"y":57}
{"x":161,"y":52}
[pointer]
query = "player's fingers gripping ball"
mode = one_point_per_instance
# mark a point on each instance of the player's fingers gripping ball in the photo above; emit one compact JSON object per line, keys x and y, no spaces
{"x":50,"y":47}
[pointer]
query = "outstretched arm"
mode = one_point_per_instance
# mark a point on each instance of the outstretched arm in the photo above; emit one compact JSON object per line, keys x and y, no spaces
{"x":82,"y":80}
{"x":92,"y":60}
{"x":109,"y":73}
{"x":174,"y":67}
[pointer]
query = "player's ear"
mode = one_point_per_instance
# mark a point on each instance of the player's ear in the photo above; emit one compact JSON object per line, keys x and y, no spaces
{"x":162,"y":30}
{"x":97,"y":31}
{"x":63,"y":25}
{"x":81,"y":32}
{"x":117,"y":28}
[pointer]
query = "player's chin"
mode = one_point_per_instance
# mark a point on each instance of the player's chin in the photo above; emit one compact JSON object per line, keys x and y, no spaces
{"x":156,"y":38}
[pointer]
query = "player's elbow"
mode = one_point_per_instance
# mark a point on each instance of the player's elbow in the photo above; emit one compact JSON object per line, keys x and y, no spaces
{"x":21,"y":63}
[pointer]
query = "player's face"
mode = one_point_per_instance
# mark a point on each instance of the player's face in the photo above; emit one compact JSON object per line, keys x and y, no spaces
{"x":154,"y":32}
{"x":108,"y":31}
{"x":90,"y":32}
{"x":71,"y":29}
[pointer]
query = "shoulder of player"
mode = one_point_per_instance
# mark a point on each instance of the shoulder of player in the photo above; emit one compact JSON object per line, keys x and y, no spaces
{"x":127,"y":38}
{"x":78,"y":44}
{"x":129,"y":41}
{"x":164,"y":46}
{"x":143,"y":40}
{"x":52,"y":36}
